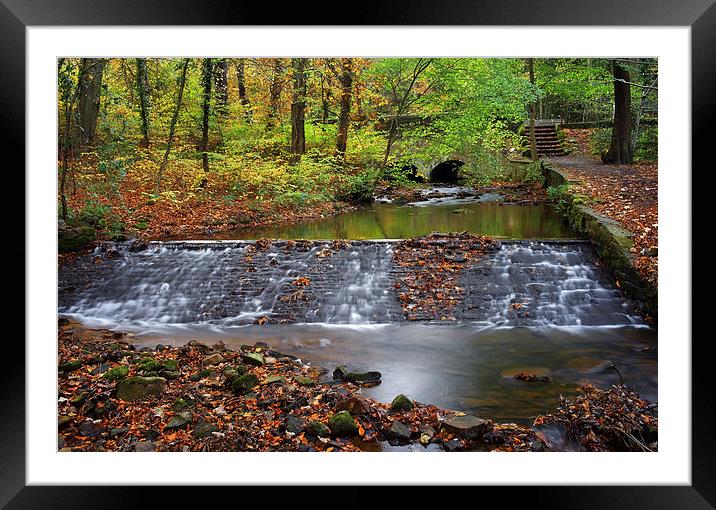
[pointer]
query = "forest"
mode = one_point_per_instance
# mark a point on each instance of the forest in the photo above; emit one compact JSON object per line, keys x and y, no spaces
{"x":354,"y":254}
{"x":161,"y":147}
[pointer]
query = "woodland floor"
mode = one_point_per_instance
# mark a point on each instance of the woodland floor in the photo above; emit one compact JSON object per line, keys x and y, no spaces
{"x":627,"y":194}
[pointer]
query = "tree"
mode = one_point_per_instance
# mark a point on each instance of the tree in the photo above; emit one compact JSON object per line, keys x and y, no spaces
{"x":206,"y":77}
{"x":143,"y":95}
{"x":533,"y":111}
{"x":346,"y":80}
{"x":241,"y":83}
{"x":620,"y":148}
{"x":172,"y":127}
{"x":221,"y":79}
{"x":90,"y":87}
{"x":275,"y":92}
{"x":298,"y":109}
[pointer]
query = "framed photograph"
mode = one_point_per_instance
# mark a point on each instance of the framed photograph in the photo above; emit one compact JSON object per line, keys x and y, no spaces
{"x":301,"y":253}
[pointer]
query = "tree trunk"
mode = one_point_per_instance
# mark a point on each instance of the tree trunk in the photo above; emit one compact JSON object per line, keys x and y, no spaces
{"x":221,"y":78}
{"x":344,"y":116}
{"x":143,"y":94}
{"x":533,"y":135}
{"x":298,"y":109}
{"x":206,"y":76}
{"x":241,"y":81}
{"x":172,"y":128}
{"x":620,"y":148}
{"x":275,"y":92}
{"x":90,"y":87}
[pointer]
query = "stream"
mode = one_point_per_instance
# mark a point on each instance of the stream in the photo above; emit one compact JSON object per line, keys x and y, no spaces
{"x":540,"y":303}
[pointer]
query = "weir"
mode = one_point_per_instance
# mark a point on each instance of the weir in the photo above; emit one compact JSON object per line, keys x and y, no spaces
{"x":231,"y":283}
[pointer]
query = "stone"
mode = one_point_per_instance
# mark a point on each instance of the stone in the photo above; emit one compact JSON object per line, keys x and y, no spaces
{"x":253,"y":358}
{"x":204,"y":429}
{"x":118,"y":431}
{"x":273,"y":379}
{"x":304,"y":381}
{"x":340,"y":372}
{"x":138,"y":388}
{"x":170,"y":374}
{"x":201,"y":374}
{"x":366,"y":377}
{"x":116,"y":373}
{"x":63,"y":420}
{"x":90,"y":429}
{"x":294,"y":424}
{"x":401,"y":403}
{"x":400,"y":431}
{"x":101,"y":369}
{"x":150,"y":365}
{"x":179,"y":420}
{"x":318,"y":429}
{"x":214,"y":359}
{"x":70,"y":366}
{"x":355,"y":405}
{"x":179,"y":404}
{"x":452,"y":445}
{"x":427,"y":430}
{"x":151,"y":434}
{"x":342,"y":424}
{"x":244,"y":382}
{"x":144,"y":446}
{"x":171,"y":364}
{"x":467,"y":426}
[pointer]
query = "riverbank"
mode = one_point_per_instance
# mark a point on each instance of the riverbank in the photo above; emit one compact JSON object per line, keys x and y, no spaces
{"x":196,"y":397}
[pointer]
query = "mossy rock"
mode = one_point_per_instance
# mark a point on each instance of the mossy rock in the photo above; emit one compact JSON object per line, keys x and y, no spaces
{"x":401,"y":403}
{"x":342,"y":424}
{"x":362,"y":376}
{"x":138,"y":388}
{"x":179,"y":404}
{"x":232,"y":372}
{"x":304,"y":381}
{"x":116,"y":373}
{"x":253,"y":358}
{"x":150,"y":365}
{"x":244,"y":382}
{"x":170,"y":374}
{"x":201,"y":374}
{"x":179,"y":420}
{"x":204,"y":429}
{"x":171,"y":364}
{"x":70,"y":366}
{"x":340,"y":372}
{"x":273,"y":379}
{"x":318,"y":429}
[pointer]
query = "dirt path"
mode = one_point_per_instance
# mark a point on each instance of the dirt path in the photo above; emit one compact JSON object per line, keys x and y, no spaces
{"x":625,"y":193}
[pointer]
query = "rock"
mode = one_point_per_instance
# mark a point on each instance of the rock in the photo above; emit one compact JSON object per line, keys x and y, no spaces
{"x":152,"y":435}
{"x":118,"y":431}
{"x":70,"y":366}
{"x":253,"y":358}
{"x":214,"y":359}
{"x":171,"y":365}
{"x":63,"y":420}
{"x":138,"y":388}
{"x":204,"y":429}
{"x":467,"y":426}
{"x":304,"y":381}
{"x":367,"y":377}
{"x":150,"y":365}
{"x":399,"y":431}
{"x":342,"y":424}
{"x":90,"y":429}
{"x":201,"y":374}
{"x":63,"y":321}
{"x":355,"y":405}
{"x":272,"y":379}
{"x":179,"y":420}
{"x":427,"y":430}
{"x":340,"y":372}
{"x":401,"y":403}
{"x":244,"y":382}
{"x":101,"y":369}
{"x":318,"y":429}
{"x":144,"y":446}
{"x":116,"y":373}
{"x":170,"y":374}
{"x":179,"y":404}
{"x":294,"y":424}
{"x":452,"y":445}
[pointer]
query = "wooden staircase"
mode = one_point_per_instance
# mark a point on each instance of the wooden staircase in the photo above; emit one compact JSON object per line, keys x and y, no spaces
{"x":546,"y":138}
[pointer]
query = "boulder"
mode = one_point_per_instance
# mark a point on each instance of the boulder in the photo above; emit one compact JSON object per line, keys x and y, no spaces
{"x":253,"y":358}
{"x":138,"y":388}
{"x":363,"y":377}
{"x":399,"y":431}
{"x":355,"y":405}
{"x":204,"y":429}
{"x":401,"y":403}
{"x":467,"y":426}
{"x":340,"y":372}
{"x":318,"y":429}
{"x":295,"y":424}
{"x":179,"y":420}
{"x":116,"y":373}
{"x":244,"y":382}
{"x":342,"y":424}
{"x":214,"y":359}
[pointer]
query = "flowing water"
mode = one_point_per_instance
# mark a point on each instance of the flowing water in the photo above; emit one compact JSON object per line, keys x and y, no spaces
{"x":542,"y":307}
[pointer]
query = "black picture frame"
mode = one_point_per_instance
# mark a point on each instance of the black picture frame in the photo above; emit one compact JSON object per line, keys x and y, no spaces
{"x":700,"y":15}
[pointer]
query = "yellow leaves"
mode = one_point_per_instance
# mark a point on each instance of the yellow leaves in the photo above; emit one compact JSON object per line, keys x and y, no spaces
{"x":301,"y":281}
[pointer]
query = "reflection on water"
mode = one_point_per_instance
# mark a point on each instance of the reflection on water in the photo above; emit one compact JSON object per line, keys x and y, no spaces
{"x":386,"y":221}
{"x":461,"y":366}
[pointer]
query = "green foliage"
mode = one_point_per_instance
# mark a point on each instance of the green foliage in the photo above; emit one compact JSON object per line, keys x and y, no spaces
{"x":647,"y":148}
{"x":560,"y":195}
{"x":359,"y":187}
{"x":599,"y":141}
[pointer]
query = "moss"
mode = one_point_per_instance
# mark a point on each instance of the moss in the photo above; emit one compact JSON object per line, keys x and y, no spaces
{"x":171,"y":365}
{"x":342,"y":424}
{"x":70,"y":366}
{"x":401,"y":403}
{"x":318,"y":429}
{"x":116,"y":373}
{"x":244,"y":382}
{"x":150,"y":365}
{"x":139,"y":388}
{"x":304,"y":381}
{"x":201,"y":374}
{"x":253,"y":358}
